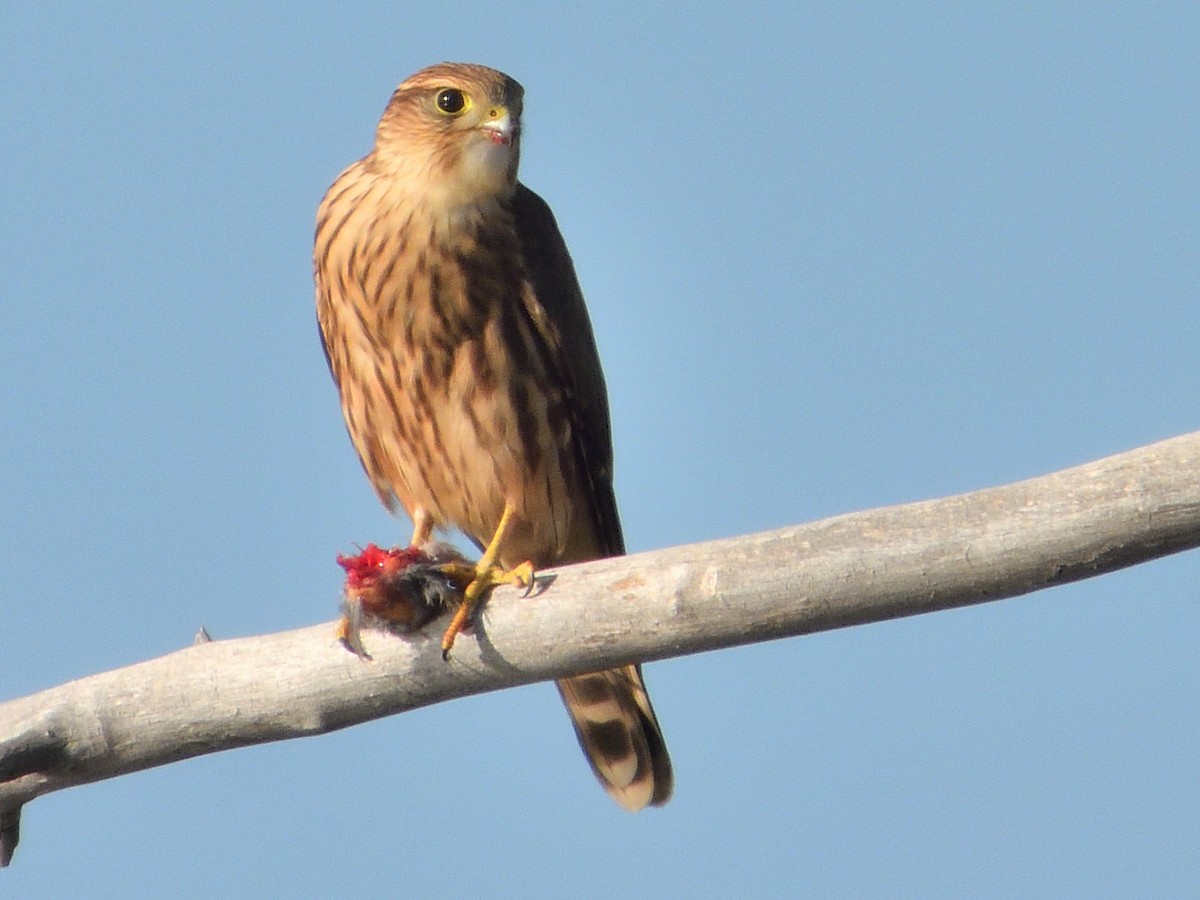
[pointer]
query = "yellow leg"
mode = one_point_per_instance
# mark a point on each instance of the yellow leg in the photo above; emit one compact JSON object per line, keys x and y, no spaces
{"x":422,"y":528}
{"x":486,"y":576}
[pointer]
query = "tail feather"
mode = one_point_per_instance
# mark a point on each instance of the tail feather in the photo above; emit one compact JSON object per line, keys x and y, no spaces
{"x":619,"y":734}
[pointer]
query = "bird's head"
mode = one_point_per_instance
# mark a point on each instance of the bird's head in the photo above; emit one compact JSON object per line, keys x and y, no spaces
{"x":452,"y":132}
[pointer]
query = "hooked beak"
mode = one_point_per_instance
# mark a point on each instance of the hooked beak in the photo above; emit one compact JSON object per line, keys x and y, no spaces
{"x":500,"y":126}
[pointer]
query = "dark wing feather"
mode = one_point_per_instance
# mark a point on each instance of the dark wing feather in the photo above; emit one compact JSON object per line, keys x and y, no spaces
{"x":566,"y":332}
{"x":611,"y":711}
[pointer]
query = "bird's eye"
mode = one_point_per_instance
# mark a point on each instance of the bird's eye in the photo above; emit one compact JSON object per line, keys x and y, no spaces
{"x":451,"y":101}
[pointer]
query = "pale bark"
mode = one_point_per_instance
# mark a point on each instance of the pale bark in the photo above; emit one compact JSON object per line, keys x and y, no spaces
{"x":847,"y":570}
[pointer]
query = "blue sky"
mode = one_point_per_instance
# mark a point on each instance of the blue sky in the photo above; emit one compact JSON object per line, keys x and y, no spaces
{"x":837,"y":256}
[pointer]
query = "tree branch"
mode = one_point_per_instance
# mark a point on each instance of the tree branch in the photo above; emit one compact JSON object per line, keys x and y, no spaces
{"x":848,"y":570}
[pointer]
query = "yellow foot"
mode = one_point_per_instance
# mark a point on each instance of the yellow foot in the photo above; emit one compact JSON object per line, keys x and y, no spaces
{"x":479,"y":579}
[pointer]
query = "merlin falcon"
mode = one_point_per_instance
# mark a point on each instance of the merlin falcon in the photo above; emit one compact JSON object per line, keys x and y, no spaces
{"x":456,"y":331}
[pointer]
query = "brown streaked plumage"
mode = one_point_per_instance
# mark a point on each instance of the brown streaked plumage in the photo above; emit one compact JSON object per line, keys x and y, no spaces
{"x":458,"y":337}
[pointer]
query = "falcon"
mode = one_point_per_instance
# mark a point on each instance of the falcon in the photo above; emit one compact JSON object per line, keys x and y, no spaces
{"x":456,"y":331}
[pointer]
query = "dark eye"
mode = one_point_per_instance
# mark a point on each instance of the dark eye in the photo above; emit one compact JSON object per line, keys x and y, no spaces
{"x":451,"y":101}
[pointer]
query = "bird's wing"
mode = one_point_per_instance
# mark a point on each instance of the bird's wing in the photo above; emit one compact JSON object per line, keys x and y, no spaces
{"x":561,"y":321}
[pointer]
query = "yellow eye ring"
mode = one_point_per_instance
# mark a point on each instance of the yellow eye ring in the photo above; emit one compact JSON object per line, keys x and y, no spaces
{"x":452,"y":102}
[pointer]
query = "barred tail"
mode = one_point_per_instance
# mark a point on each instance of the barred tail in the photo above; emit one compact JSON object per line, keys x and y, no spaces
{"x":619,"y":734}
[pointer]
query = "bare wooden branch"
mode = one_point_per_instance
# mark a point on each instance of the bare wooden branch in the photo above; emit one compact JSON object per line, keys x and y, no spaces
{"x":848,"y":570}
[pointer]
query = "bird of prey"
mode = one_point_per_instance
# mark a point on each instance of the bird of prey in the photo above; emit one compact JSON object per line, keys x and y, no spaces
{"x":456,"y":332}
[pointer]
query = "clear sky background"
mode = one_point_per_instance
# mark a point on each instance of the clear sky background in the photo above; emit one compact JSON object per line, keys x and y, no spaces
{"x":838,"y":256}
